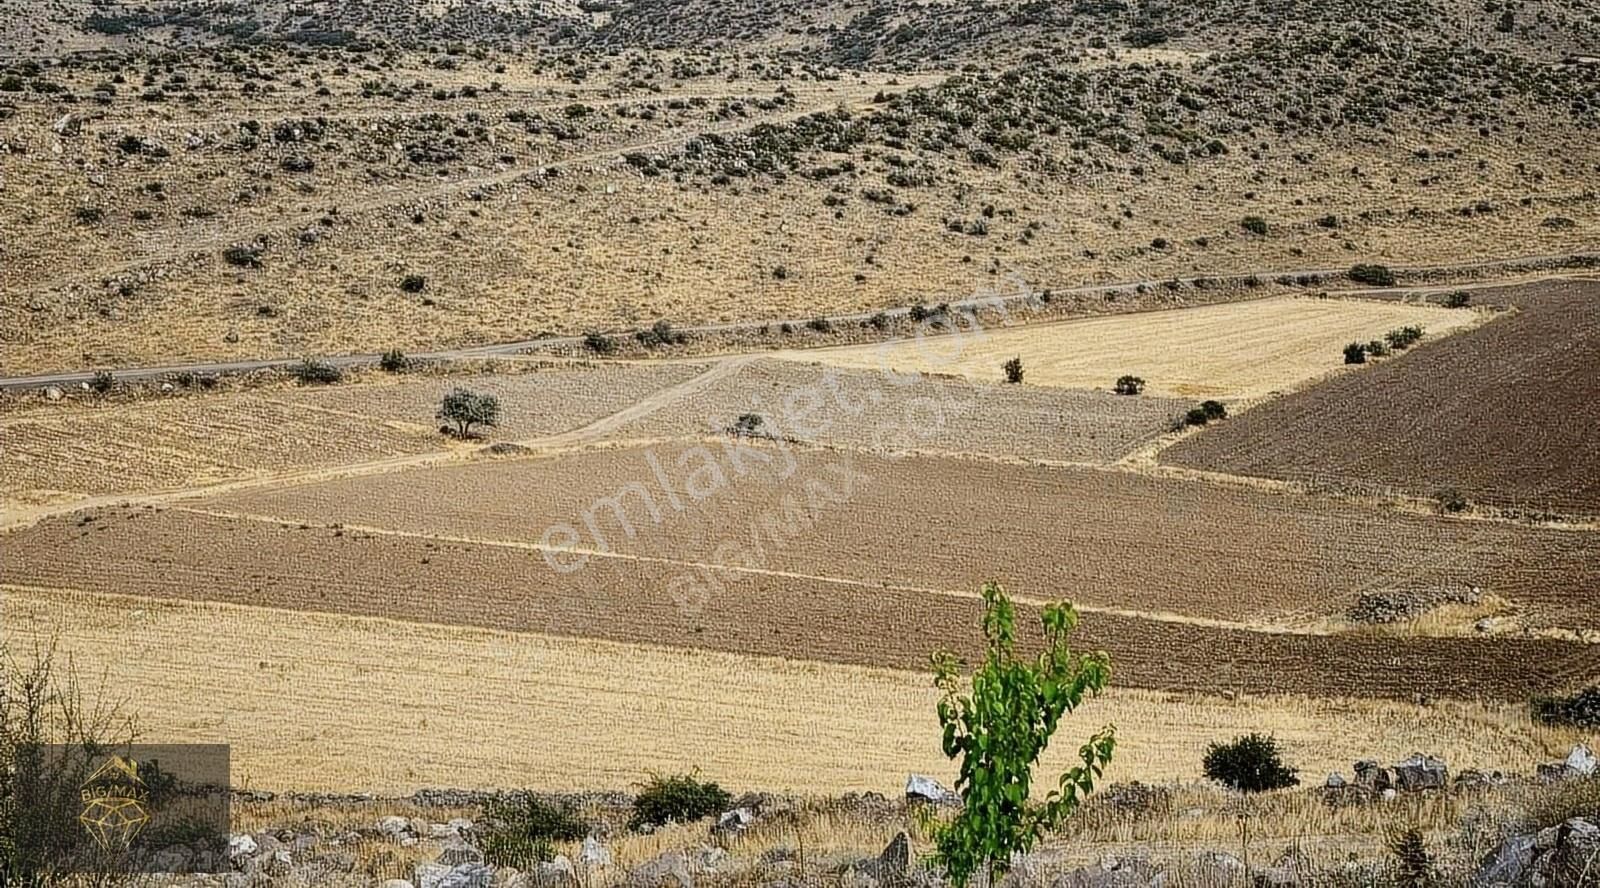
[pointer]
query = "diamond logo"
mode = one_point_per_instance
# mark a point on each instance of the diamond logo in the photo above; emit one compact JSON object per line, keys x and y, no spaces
{"x":114,"y":804}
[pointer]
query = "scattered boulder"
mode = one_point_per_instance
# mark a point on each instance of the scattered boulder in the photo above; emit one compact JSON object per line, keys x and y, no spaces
{"x":466,"y":875}
{"x":456,"y":852}
{"x":1565,"y":854}
{"x":594,"y":854}
{"x":670,"y":870}
{"x":54,"y":393}
{"x":1421,"y":772}
{"x":394,"y":828}
{"x":926,"y":789}
{"x":1217,"y":868}
{"x":736,"y":821}
{"x":1579,"y":763}
{"x":1335,"y":781}
{"x":558,"y":873}
{"x":1373,"y":777}
{"x":241,"y":849}
{"x":1507,"y":864}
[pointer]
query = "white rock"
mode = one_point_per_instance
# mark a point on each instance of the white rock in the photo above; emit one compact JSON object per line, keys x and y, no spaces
{"x":928,"y":789}
{"x":1581,"y":761}
{"x":54,"y":393}
{"x":393,"y":827}
{"x":241,"y":847}
{"x":396,"y":883}
{"x":594,"y":853}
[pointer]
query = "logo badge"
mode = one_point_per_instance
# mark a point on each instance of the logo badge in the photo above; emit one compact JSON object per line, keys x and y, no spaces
{"x":114,"y":800}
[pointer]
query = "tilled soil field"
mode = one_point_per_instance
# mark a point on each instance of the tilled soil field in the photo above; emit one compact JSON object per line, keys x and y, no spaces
{"x":1506,"y":414}
{"x":175,"y":554}
{"x":1104,"y":538}
{"x":886,"y":411}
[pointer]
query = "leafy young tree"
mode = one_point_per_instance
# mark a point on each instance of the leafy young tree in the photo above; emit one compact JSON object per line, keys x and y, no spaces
{"x":1003,"y":726}
{"x":1013,"y":370}
{"x":464,"y":409}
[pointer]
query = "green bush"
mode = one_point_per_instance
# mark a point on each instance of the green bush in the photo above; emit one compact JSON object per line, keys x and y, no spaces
{"x":1196,"y":416}
{"x":1377,"y":348}
{"x":680,"y":798}
{"x":1214,"y":410}
{"x":1129,"y":385}
{"x":1457,"y":299}
{"x":1254,"y":224}
{"x":413,"y":283}
{"x":1450,"y":500}
{"x":1373,"y":275}
{"x":999,"y":731}
{"x":1013,"y":370}
{"x":522,"y":832}
{"x":820,"y":325}
{"x":1355,"y":353}
{"x":103,"y":382}
{"x":1252,"y":763}
{"x":394,"y":361}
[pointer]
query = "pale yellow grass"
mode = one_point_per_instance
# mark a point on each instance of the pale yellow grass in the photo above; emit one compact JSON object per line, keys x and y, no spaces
{"x":330,"y":703}
{"x":1231,"y":350}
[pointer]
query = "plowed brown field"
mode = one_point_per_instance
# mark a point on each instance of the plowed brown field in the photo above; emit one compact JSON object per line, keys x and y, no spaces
{"x":1105,"y":538}
{"x":178,"y":554}
{"x":1506,"y":413}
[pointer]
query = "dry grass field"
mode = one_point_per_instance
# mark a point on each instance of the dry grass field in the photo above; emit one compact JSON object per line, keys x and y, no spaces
{"x":59,"y":453}
{"x":1505,"y":414}
{"x":330,"y":703}
{"x":1229,"y":351}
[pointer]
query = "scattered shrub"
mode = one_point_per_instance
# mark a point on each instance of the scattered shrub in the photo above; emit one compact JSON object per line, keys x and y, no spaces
{"x":522,"y":833}
{"x":1196,"y":416}
{"x":1254,"y":224}
{"x":1403,"y":338}
{"x":750,"y":424}
{"x":1129,"y":385}
{"x":103,"y":382}
{"x":1450,"y":500}
{"x":1457,"y":299}
{"x":314,"y":372}
{"x":1355,"y":353}
{"x":89,"y":215}
{"x":1251,"y":763}
{"x":599,"y":343}
{"x":1373,"y":275}
{"x":1377,"y":348}
{"x":394,"y":361}
{"x":820,"y":325}
{"x":1413,"y":867}
{"x":413,"y":283}
{"x":1013,"y":369}
{"x":660,"y":334}
{"x":243,"y":255}
{"x":464,"y":409}
{"x":1214,"y":410}
{"x":681,"y":798}
{"x":1581,"y":709}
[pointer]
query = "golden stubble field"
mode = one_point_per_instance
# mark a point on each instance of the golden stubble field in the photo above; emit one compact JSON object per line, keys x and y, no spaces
{"x":1229,"y":351}
{"x":328,"y":703}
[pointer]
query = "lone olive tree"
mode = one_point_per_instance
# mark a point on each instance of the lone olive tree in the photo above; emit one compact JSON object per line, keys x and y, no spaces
{"x":464,"y":409}
{"x":1000,"y":730}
